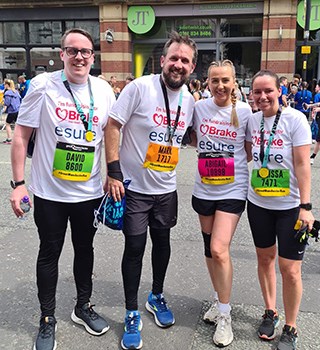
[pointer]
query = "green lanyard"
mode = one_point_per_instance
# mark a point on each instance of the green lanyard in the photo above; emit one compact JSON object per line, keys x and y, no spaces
{"x":87,"y":124}
{"x":264,"y":155}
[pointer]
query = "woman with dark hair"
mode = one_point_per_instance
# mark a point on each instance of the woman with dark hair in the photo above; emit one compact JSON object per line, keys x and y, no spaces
{"x":279,"y":195}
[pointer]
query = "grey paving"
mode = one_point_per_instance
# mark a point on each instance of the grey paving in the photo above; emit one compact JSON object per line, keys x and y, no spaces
{"x":187,"y":285}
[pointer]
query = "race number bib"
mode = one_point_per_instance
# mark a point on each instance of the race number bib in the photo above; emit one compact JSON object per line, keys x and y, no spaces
{"x":161,"y":157}
{"x":216,"y":168}
{"x":73,"y":162}
{"x":276,"y":184}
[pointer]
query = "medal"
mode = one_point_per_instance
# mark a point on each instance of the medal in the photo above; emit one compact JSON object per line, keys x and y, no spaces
{"x":89,"y":136}
{"x":264,"y":172}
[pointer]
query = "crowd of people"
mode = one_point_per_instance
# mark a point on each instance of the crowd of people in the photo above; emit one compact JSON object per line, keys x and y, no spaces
{"x":152,"y":115}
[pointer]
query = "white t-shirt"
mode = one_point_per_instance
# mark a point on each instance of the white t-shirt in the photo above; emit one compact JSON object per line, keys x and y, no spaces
{"x":50,"y":109}
{"x":293,"y":130}
{"x":224,"y":171}
{"x":141,"y":109}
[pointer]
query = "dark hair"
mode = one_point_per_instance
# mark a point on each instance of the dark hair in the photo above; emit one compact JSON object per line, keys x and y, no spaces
{"x":77,"y":31}
{"x":297,"y":75}
{"x":269,"y":73}
{"x":175,"y":37}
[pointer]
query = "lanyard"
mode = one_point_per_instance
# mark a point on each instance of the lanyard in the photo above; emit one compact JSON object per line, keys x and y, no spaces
{"x":87,"y":124}
{"x":171,"y":129}
{"x":265,"y":155}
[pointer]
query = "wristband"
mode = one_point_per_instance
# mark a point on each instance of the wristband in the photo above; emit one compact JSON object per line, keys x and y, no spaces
{"x":114,"y":170}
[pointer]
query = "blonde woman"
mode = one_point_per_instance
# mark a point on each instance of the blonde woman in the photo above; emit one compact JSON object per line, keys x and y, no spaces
{"x":221,"y":185}
{"x":12,"y":101}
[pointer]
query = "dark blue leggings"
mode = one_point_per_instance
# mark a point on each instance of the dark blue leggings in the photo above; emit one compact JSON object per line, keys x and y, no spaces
{"x":52,"y":219}
{"x":132,"y":263}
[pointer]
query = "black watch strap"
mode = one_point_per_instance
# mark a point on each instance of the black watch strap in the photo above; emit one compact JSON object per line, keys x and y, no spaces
{"x":306,"y":206}
{"x":15,"y":184}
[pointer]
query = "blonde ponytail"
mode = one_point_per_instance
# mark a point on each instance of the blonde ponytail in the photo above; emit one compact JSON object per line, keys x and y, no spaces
{"x":234,"y":117}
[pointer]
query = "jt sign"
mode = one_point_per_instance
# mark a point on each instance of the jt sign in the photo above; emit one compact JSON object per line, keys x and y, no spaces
{"x":314,"y":15}
{"x":141,"y":19}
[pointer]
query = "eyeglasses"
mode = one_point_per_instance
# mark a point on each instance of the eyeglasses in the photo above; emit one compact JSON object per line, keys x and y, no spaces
{"x":73,"y":52}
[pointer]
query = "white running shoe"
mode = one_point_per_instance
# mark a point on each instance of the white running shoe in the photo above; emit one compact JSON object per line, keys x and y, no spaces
{"x":311,"y":161}
{"x":212,"y":314}
{"x":223,"y":334}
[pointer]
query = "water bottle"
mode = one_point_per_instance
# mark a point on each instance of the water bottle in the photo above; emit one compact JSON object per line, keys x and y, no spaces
{"x":25,"y":204}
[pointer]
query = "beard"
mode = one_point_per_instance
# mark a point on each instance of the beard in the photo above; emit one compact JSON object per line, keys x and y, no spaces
{"x":174,"y":84}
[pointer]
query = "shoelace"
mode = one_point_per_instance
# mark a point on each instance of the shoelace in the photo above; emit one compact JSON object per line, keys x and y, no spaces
{"x":161,"y":304}
{"x":46,"y":329}
{"x":132,"y":323}
{"x":288,"y":336}
{"x":268,"y":316}
{"x":91,"y":313}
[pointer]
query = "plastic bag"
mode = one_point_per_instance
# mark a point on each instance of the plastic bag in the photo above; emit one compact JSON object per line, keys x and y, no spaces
{"x":111,"y":213}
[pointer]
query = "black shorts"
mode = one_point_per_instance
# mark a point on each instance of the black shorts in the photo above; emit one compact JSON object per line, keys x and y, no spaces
{"x":12,"y":118}
{"x":143,"y":210}
{"x":208,"y":207}
{"x":269,"y":225}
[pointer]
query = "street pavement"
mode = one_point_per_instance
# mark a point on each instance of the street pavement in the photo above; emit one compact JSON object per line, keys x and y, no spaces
{"x":187,"y":286}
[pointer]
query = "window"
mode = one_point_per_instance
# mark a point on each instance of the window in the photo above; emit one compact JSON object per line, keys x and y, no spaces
{"x":45,"y":32}
{"x":240,"y":27}
{"x":12,"y":33}
{"x":12,"y":58}
{"x":93,"y":27}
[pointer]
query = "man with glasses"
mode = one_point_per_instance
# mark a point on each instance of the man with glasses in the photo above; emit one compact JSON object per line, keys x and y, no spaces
{"x":69,"y":111}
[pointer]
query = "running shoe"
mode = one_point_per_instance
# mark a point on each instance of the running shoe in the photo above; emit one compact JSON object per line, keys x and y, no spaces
{"x":223,"y":334}
{"x":311,"y":161}
{"x":268,"y":325}
{"x":46,"y":336}
{"x":87,"y":317}
{"x":212,"y":314}
{"x":132,"y":327}
{"x":288,"y":339}
{"x":7,"y":141}
{"x":157,"y":305}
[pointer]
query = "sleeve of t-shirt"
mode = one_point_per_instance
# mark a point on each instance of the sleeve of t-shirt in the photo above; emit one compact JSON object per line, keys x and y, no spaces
{"x":301,"y":132}
{"x":316,"y":98}
{"x":30,"y":109}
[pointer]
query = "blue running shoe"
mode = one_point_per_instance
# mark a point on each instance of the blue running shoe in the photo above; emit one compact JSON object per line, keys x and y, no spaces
{"x":132,"y":327}
{"x":157,"y":305}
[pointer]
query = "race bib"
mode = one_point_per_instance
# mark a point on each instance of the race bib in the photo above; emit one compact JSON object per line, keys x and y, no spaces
{"x":276,"y":184}
{"x":161,"y":157}
{"x":73,"y":162}
{"x":216,"y":168}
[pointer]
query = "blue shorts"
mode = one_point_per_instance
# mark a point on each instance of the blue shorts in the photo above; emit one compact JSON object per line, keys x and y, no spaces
{"x":269,"y":225}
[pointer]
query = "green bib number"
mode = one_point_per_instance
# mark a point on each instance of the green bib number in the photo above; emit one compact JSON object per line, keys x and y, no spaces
{"x":276,"y":184}
{"x":73,"y":162}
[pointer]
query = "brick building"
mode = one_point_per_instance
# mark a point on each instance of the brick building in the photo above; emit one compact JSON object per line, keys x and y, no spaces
{"x":129,"y":34}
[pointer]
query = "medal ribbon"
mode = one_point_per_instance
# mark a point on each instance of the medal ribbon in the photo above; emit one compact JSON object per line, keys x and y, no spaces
{"x":87,"y":124}
{"x":171,"y":129}
{"x":265,"y":155}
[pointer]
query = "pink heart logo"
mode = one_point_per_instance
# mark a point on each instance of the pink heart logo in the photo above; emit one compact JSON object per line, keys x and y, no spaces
{"x":62,"y":113}
{"x":158,"y":119}
{"x":204,"y":129}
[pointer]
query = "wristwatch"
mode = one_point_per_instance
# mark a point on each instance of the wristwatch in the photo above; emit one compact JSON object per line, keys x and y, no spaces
{"x":15,"y":184}
{"x":306,"y":206}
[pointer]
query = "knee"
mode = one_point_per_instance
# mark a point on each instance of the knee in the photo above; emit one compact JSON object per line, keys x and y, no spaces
{"x":266,"y":259}
{"x":291,"y":273}
{"x":220,"y":252}
{"x":135,"y":245}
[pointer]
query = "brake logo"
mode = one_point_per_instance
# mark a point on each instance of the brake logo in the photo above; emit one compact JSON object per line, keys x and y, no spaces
{"x":73,"y":116}
{"x":161,"y":120}
{"x":214,"y":131}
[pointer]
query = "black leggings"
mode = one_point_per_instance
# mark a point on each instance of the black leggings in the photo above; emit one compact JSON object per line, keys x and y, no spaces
{"x":132,"y":263}
{"x":51,"y":219}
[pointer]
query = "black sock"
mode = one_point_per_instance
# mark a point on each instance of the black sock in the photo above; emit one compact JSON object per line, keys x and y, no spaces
{"x":313,"y":155}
